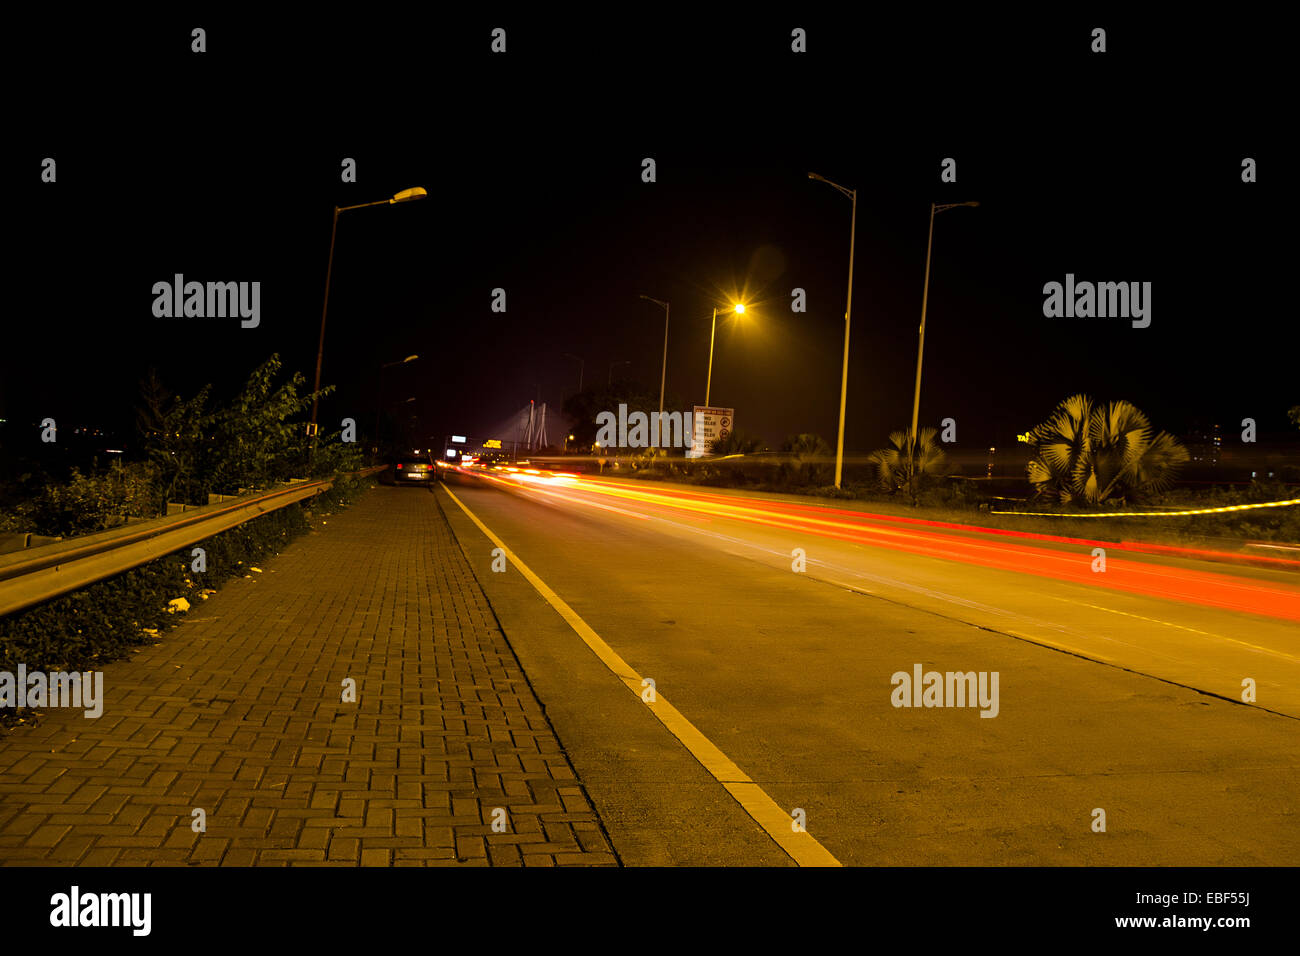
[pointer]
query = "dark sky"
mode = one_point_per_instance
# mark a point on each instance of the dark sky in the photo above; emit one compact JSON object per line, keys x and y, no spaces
{"x":225,"y":167}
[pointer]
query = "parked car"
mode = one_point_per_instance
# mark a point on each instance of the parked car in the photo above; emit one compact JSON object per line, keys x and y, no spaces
{"x":413,"y":466}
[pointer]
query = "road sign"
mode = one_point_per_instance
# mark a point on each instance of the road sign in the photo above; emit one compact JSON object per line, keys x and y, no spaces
{"x":708,"y":425}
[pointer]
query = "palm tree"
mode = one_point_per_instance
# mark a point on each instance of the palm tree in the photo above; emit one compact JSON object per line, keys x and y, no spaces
{"x":736,"y":443}
{"x":909,"y":462}
{"x":806,"y":457}
{"x":1094,"y":452}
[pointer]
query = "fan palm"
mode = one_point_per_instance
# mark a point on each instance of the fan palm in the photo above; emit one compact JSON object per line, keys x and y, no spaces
{"x":806,"y":458}
{"x":1093,"y":452}
{"x":908,"y":462}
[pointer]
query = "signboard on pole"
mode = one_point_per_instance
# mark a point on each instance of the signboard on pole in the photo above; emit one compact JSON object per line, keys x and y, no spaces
{"x":709,"y":424}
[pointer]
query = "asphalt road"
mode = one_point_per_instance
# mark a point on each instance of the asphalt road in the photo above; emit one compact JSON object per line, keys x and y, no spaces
{"x":1118,"y":691}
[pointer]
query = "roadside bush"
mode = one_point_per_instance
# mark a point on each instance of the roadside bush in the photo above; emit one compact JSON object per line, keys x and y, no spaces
{"x":911,"y":465}
{"x":808,"y":461}
{"x":90,"y":503}
{"x":199,"y":448}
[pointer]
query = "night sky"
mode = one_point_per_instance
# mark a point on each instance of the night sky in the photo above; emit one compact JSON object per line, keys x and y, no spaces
{"x":1124,"y":166}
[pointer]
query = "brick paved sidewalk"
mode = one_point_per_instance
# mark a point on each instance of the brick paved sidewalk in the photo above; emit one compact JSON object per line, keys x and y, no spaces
{"x":238,"y":712}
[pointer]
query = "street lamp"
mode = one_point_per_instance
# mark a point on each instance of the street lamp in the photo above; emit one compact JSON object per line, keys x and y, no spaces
{"x":379,"y":393}
{"x":935,"y":208}
{"x":739,"y":309}
{"x":582,"y":364}
{"x":612,"y":366}
{"x":414,"y":416}
{"x":406,"y":195}
{"x":848,"y":309}
{"x":663,"y":376}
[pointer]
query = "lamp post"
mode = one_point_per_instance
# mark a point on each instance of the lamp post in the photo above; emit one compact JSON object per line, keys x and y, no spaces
{"x":406,"y":195}
{"x":582,"y":364}
{"x":739,"y":309}
{"x":663,"y":375}
{"x":935,"y":209}
{"x":406,"y":401}
{"x":379,"y":393}
{"x":848,"y":310}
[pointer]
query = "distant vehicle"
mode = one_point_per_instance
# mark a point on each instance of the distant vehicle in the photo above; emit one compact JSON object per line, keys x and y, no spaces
{"x":412,"y":466}
{"x":491,"y":458}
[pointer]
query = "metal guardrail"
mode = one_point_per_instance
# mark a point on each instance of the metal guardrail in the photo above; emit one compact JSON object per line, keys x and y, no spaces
{"x":36,"y":575}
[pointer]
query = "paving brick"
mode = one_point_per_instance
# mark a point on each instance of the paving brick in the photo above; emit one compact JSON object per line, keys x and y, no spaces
{"x":238,"y":712}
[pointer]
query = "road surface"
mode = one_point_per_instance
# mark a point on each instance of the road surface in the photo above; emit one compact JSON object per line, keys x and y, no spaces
{"x":1119,"y":695}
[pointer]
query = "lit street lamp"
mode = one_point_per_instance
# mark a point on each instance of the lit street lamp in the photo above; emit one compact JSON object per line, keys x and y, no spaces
{"x":848,"y":309}
{"x":663,"y":376}
{"x":739,"y":309}
{"x":406,"y":195}
{"x":935,"y":208}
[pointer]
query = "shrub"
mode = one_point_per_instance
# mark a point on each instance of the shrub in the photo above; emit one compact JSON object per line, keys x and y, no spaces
{"x":909,"y":465}
{"x":90,"y":503}
{"x":808,"y":460}
{"x":1094,"y":453}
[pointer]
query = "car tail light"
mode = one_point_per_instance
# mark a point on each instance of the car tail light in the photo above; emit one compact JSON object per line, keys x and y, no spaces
{"x":400,"y":465}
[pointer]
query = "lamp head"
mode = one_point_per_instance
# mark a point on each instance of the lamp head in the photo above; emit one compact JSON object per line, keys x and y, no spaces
{"x":410,"y":195}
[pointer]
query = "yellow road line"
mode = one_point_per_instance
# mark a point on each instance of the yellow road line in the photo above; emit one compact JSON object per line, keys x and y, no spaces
{"x":801,"y":846}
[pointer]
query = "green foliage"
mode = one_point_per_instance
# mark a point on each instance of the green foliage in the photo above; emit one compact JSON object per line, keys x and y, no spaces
{"x":587,"y":404}
{"x":807,"y":460}
{"x":255,"y":441}
{"x":737,"y":442}
{"x":1093,"y":453}
{"x":178,"y":440}
{"x":90,"y":503}
{"x":909,"y":465}
{"x":335,"y":457}
{"x":345,"y":490}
